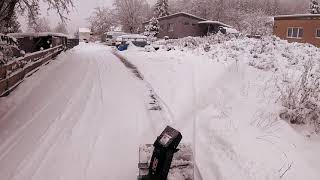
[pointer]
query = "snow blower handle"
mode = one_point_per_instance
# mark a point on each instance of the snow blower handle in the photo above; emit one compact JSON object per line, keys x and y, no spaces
{"x":164,"y":148}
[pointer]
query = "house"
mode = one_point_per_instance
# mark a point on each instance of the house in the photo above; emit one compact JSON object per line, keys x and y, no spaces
{"x":183,"y":24}
{"x":84,"y":34}
{"x":303,"y":28}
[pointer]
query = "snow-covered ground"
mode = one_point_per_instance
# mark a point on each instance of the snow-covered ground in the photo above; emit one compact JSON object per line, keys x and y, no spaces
{"x":82,"y":116}
{"x":225,"y":102}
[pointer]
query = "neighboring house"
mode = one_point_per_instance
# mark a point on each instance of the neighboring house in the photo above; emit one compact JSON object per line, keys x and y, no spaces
{"x":182,"y":24}
{"x":303,"y":28}
{"x":84,"y":34}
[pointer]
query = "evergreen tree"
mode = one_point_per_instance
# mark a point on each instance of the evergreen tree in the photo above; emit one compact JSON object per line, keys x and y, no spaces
{"x":161,"y":8}
{"x":152,"y":29}
{"x":314,"y":7}
{"x":10,"y":26}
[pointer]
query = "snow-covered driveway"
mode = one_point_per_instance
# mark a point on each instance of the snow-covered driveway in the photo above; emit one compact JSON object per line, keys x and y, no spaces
{"x":80,"y":117}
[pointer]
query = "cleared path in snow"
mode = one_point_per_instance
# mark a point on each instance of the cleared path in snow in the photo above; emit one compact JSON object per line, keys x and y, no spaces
{"x":81,"y":117}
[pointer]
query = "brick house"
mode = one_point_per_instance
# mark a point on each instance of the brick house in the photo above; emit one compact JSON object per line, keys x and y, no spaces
{"x":182,"y":24}
{"x":303,"y":28}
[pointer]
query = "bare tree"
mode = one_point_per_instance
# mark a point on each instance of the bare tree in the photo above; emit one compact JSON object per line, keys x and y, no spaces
{"x":131,"y":14}
{"x":39,"y":25}
{"x":31,"y":7}
{"x":61,"y":28}
{"x":102,"y":20}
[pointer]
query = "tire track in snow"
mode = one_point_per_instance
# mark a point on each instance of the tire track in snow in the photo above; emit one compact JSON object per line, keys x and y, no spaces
{"x":12,"y":141}
{"x":98,"y":134}
{"x":49,"y":140}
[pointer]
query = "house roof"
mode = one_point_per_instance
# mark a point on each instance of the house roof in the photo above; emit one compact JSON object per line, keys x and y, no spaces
{"x":214,"y":22}
{"x":179,"y":14}
{"x":133,"y":36}
{"x":42,"y":34}
{"x":297,"y":16}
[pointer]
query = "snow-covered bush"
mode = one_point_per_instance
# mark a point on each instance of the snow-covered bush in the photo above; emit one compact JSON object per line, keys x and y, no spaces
{"x":300,"y":96}
{"x":295,"y":67}
{"x":314,"y":7}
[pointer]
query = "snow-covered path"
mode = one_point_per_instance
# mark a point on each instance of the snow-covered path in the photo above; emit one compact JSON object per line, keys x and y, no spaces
{"x":73,"y":119}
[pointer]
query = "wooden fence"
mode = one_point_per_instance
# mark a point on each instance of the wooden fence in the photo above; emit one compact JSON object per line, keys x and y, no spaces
{"x":13,"y":73}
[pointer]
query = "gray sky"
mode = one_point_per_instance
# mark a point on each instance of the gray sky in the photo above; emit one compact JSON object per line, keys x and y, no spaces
{"x":78,"y":16}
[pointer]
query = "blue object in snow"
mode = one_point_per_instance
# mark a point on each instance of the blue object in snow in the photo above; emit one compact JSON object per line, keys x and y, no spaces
{"x":123,"y":47}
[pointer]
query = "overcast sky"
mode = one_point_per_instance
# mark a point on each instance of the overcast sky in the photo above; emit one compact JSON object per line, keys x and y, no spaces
{"x":78,"y":16}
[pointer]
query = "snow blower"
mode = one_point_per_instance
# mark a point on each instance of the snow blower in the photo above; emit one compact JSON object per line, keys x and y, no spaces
{"x":169,"y":160}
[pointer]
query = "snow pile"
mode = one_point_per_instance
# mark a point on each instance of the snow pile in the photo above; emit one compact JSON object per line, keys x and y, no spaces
{"x":227,"y":101}
{"x":295,"y":67}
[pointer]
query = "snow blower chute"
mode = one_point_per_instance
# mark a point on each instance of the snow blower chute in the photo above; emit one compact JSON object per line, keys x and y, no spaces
{"x":168,"y":160}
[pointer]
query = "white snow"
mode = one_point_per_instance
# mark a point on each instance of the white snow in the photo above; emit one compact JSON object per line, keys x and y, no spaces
{"x":231,"y":30}
{"x":181,"y":13}
{"x":41,"y":34}
{"x":231,"y":106}
{"x":214,"y":22}
{"x":133,"y":36}
{"x":82,"y":116}
{"x":297,"y":15}
{"x":84,"y":30}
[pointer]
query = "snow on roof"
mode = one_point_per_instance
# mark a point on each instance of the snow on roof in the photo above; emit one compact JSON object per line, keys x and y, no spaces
{"x":85,"y":30}
{"x":42,"y":34}
{"x":182,"y":13}
{"x":297,"y":16}
{"x":179,"y":13}
{"x":133,"y":36}
{"x":115,"y":33}
{"x":214,"y":22}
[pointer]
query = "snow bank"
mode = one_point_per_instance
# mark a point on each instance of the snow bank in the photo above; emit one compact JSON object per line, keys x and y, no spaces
{"x":230,"y":92}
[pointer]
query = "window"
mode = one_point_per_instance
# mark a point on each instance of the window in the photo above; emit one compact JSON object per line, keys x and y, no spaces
{"x":170,"y":27}
{"x":318,"y":33}
{"x":294,"y":32}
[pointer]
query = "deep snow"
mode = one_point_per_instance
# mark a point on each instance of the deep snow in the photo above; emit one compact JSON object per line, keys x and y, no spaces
{"x":231,"y":106}
{"x":84,"y":115}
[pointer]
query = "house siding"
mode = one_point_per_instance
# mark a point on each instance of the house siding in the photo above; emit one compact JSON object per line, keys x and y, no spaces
{"x":183,"y":26}
{"x":309,"y":26}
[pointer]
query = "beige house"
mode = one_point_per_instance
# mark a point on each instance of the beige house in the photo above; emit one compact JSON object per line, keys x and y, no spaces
{"x":183,"y":24}
{"x":303,"y":28}
{"x":84,"y":34}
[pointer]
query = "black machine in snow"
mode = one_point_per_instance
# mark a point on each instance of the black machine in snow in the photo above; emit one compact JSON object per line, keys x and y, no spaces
{"x":166,"y":159}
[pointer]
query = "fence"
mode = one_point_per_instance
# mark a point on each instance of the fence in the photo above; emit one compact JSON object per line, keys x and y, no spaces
{"x":14,"y":72}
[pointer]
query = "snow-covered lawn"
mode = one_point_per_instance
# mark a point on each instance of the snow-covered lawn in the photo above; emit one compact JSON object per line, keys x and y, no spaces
{"x":228,"y":97}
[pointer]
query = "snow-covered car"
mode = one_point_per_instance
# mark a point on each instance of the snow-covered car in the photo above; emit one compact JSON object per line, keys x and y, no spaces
{"x":136,"y":39}
{"x":111,"y":37}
